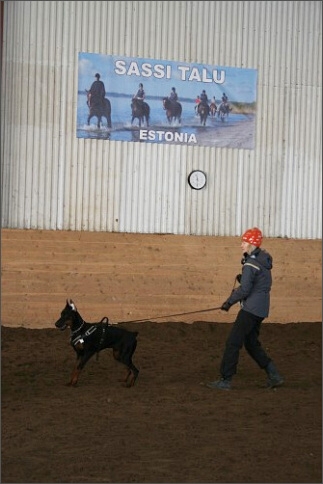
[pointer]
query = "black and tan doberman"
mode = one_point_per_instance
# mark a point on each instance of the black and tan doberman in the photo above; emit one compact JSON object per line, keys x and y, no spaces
{"x":88,"y":339}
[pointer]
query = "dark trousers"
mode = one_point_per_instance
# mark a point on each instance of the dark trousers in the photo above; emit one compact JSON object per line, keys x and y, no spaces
{"x":245,"y":331}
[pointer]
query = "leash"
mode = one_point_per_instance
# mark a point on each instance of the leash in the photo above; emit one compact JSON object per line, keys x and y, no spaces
{"x":177,"y":314}
{"x":170,"y":315}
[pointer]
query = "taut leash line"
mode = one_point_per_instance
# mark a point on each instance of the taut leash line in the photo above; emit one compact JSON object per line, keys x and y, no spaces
{"x":171,"y":315}
{"x":177,"y":314}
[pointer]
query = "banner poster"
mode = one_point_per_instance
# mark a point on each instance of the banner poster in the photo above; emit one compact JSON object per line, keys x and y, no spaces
{"x":158,"y":101}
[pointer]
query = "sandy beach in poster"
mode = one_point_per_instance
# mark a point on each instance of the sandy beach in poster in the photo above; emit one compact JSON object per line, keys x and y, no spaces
{"x":230,"y":135}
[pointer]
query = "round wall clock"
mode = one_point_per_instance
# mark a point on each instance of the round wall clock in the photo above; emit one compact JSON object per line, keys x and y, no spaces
{"x":197,"y":179}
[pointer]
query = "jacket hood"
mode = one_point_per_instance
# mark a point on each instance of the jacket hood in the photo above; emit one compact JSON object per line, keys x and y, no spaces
{"x":263,"y":258}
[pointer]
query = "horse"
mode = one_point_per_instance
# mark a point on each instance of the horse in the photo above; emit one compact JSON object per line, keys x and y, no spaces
{"x":203,"y":110}
{"x":223,"y":111}
{"x":140,"y":110}
{"x":102,"y":109}
{"x":173,"y":110}
{"x":213,"y":109}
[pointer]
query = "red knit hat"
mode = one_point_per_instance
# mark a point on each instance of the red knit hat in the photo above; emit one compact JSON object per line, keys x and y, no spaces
{"x":253,"y":237}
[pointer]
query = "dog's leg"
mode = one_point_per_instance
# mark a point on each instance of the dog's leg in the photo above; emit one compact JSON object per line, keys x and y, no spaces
{"x":130,"y":379}
{"x":127,"y":376}
{"x":116,"y":356}
{"x":132,"y":375}
{"x":74,"y":377}
{"x":132,"y":371}
{"x":126,"y":359}
{"x":81,"y":361}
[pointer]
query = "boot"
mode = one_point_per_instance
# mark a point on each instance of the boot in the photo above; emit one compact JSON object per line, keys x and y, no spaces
{"x":223,"y":384}
{"x":274,"y":378}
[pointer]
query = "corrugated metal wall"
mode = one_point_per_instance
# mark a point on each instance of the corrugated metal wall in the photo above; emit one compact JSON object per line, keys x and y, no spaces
{"x":53,"y":180}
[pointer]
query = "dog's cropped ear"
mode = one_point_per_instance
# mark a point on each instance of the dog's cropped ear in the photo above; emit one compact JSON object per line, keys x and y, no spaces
{"x":72,"y":305}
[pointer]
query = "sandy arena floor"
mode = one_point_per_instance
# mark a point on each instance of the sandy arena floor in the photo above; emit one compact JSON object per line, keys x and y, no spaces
{"x":168,"y":428}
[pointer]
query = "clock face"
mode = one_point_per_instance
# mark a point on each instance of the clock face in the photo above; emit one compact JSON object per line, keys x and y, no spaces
{"x":197,"y":179}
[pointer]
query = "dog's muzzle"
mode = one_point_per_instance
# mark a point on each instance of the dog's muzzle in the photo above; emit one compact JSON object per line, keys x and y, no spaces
{"x":61,"y":324}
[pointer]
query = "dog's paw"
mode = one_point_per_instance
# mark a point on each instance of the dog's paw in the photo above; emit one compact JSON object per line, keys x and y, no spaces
{"x":71,"y":384}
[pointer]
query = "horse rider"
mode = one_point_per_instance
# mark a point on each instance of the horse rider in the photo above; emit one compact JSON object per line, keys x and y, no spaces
{"x":140,"y":95}
{"x":96,"y":93}
{"x":224,"y":106}
{"x":213,"y":106}
{"x":204,"y":101}
{"x":225,"y":98}
{"x":197,"y":102}
{"x":204,"y":98}
{"x":173,"y":96}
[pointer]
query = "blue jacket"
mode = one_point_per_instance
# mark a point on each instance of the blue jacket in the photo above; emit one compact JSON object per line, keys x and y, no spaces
{"x":255,"y":284}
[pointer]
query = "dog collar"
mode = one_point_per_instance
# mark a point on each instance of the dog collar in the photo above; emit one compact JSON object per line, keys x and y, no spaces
{"x":78,"y":329}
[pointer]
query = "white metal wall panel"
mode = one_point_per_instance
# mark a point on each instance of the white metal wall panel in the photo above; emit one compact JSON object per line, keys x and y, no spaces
{"x":52,"y":180}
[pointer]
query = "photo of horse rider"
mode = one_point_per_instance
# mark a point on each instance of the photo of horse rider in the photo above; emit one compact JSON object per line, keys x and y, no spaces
{"x":96,"y":93}
{"x":204,"y":98}
{"x":204,"y":101}
{"x":173,"y":95}
{"x":140,"y":95}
